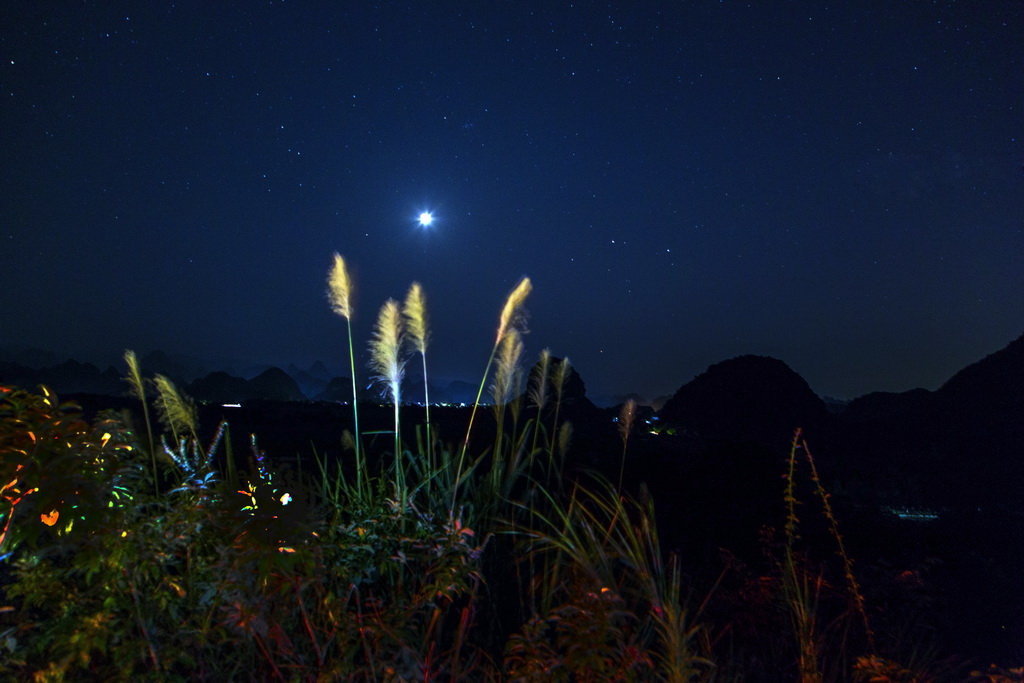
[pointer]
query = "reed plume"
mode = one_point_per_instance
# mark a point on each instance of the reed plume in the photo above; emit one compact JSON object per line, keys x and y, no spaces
{"x":513,"y":312}
{"x":387,"y":362}
{"x":418,"y":334}
{"x":512,"y":317}
{"x":506,"y":380}
{"x":339,"y":288}
{"x":539,"y":381}
{"x":137,"y":388}
{"x":539,"y":392}
{"x":177,"y":412}
{"x":506,"y":372}
{"x":558,"y":379}
{"x":339,"y":294}
{"x":385,"y":350}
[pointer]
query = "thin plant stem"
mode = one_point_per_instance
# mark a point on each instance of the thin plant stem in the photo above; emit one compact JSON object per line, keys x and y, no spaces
{"x":796,"y":586}
{"x":339,"y":294}
{"x":355,"y":411}
{"x":851,"y":580}
{"x":418,"y":334}
{"x":626,"y":419}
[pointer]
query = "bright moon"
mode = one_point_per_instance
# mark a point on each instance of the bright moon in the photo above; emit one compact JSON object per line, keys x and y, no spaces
{"x":426,"y":218}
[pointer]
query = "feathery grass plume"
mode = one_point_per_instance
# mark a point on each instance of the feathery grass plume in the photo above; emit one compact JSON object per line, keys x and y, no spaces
{"x":176,"y":412}
{"x":512,"y":317}
{"x":506,"y":381}
{"x":385,"y":350}
{"x":539,"y":381}
{"x":138,"y":390}
{"x":415,"y":313}
{"x":626,"y":419}
{"x":339,"y":293}
{"x":558,"y":379}
{"x":339,"y":288}
{"x":539,"y":393}
{"x":387,"y":363}
{"x":513,"y":312}
{"x":506,"y":372}
{"x":418,"y":333}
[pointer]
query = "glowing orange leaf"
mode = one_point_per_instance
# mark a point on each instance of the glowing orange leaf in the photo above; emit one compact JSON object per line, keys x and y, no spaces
{"x":51,"y":518}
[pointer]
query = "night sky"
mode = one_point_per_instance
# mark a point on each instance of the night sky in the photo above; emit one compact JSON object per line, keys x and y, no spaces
{"x":684,"y":182}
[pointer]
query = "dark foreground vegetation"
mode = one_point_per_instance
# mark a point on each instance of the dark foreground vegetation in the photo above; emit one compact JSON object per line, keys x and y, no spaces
{"x":141,"y":544}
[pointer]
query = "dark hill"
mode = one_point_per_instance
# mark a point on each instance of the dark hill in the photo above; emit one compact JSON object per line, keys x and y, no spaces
{"x":975,"y":427}
{"x":338,"y":390}
{"x":67,"y":377}
{"x":220,"y":387}
{"x":320,"y":371}
{"x":275,"y":384}
{"x":309,"y":384}
{"x":987,"y":394}
{"x":886,"y":404}
{"x":745,"y":399}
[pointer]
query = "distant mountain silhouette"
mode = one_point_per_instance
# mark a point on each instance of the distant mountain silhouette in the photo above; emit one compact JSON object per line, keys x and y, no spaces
{"x":748,"y":398}
{"x":975,"y":427}
{"x":462,"y":392}
{"x":338,"y":390}
{"x":309,"y":384}
{"x":29,"y":357}
{"x":65,"y":378}
{"x":160,"y":362}
{"x":412,"y":390}
{"x":989,"y":392}
{"x":320,"y":371}
{"x":275,"y":384}
{"x":220,"y":387}
{"x":886,"y":404}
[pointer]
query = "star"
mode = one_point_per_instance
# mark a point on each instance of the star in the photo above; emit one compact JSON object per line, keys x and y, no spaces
{"x":426,"y":218}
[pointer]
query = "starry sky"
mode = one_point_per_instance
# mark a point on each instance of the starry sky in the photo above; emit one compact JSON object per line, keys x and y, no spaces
{"x":684,"y":182}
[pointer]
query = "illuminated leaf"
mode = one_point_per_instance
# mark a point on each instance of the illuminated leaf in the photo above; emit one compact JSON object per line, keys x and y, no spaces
{"x":51,"y":518}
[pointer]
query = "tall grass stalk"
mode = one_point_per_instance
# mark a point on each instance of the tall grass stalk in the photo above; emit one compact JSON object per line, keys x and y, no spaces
{"x":851,"y":581}
{"x":138,"y":390}
{"x":512,"y":316}
{"x":626,"y":419}
{"x":559,"y":377}
{"x":539,"y":394}
{"x":418,"y":334}
{"x":339,"y":294}
{"x":802,"y":589}
{"x":387,"y":363}
{"x":176,"y":411}
{"x":610,"y":542}
{"x":801,"y":592}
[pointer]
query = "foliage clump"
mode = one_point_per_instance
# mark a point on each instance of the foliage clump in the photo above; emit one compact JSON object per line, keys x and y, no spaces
{"x":131,"y":557}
